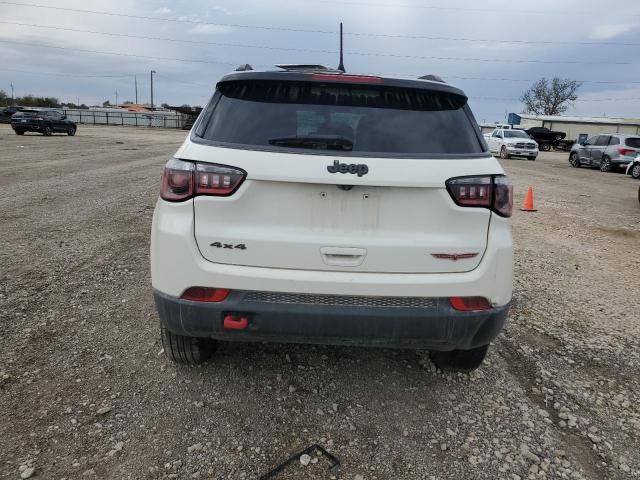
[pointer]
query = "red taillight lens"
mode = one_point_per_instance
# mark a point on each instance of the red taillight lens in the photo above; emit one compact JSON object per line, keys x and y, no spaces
{"x":469,"y":304}
{"x":177,"y":180}
{"x":217,"y":180}
{"x":626,"y":151}
{"x":205,"y":294}
{"x":182,"y":180}
{"x":502,"y":196}
{"x":341,"y":78}
{"x":492,"y":191}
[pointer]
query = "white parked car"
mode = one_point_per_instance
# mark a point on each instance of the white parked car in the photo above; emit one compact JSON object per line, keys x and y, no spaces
{"x":313,"y":206}
{"x":512,"y":143}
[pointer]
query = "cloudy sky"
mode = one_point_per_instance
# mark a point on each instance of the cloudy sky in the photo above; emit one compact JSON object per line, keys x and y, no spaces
{"x":491,"y":49}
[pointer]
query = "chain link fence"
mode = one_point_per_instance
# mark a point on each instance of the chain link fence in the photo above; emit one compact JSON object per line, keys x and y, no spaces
{"x":129,"y":119}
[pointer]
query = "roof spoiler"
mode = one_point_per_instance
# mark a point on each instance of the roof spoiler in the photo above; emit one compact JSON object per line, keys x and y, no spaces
{"x":305,"y":68}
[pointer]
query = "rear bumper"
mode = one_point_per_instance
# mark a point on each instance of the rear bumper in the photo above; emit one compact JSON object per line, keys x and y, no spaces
{"x":337,"y":320}
{"x":26,"y":126}
{"x":622,"y":161}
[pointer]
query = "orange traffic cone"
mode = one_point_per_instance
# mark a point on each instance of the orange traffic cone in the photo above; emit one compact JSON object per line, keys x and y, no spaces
{"x":528,"y":202}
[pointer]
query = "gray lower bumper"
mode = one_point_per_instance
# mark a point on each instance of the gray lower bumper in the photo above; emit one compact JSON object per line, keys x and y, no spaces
{"x":377,"y":321}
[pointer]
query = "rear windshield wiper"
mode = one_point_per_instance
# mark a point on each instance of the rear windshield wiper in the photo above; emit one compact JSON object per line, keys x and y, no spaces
{"x":325,"y":142}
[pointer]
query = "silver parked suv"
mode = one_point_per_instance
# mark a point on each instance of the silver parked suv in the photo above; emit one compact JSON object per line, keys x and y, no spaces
{"x":607,"y":152}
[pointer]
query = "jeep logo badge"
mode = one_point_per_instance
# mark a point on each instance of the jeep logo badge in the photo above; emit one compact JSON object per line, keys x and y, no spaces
{"x":359,"y":168}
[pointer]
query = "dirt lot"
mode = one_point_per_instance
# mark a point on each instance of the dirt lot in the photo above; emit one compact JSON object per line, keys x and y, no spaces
{"x":85,"y":392}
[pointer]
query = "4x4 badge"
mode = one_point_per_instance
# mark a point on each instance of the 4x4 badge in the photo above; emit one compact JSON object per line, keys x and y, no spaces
{"x":359,"y":168}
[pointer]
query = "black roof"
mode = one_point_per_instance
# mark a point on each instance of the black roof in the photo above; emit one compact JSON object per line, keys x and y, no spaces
{"x":319,"y":73}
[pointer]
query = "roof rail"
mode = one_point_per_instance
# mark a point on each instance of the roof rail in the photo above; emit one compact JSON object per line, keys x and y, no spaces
{"x":433,"y":78}
{"x":244,"y":67}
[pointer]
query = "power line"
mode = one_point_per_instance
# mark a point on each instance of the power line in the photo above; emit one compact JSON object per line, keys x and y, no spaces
{"x":373,"y":54}
{"x":455,"y":9}
{"x":187,"y":82}
{"x":267,"y":47}
{"x":417,"y":57}
{"x":167,"y":39}
{"x":121,"y":54}
{"x":326,"y":32}
{"x":528,"y":80}
{"x":66,"y":74}
{"x":126,"y":75}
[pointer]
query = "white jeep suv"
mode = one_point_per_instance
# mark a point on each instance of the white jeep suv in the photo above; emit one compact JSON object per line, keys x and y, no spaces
{"x":309,"y":205}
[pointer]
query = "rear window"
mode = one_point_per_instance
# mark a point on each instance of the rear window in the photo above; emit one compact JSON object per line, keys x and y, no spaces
{"x":633,"y":142}
{"x":24,"y":114}
{"x":345,"y":119}
{"x":515,"y":134}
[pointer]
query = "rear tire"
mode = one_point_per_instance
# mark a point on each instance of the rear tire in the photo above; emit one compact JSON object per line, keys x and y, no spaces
{"x":503,"y":153}
{"x":574,"y":160}
{"x":189,"y":350}
{"x":605,"y":164}
{"x":19,"y":132}
{"x":72,"y":131}
{"x":46,"y":131}
{"x":545,"y":147}
{"x":456,"y":360}
{"x":635,"y":171}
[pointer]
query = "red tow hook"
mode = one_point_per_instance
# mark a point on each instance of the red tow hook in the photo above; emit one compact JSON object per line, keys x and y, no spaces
{"x":231,"y":322}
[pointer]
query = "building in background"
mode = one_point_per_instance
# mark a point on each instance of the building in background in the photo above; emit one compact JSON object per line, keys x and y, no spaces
{"x":574,"y":126}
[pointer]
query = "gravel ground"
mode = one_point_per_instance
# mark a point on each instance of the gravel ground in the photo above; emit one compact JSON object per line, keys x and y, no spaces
{"x":86,"y":393}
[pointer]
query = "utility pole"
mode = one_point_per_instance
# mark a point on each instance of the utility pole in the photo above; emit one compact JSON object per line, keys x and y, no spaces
{"x":116,"y":93}
{"x":78,"y":101}
{"x":12,"y":94}
{"x":135,"y":80}
{"x":152,"y":72}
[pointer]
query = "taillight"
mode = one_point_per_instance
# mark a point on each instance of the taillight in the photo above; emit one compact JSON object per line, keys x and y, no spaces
{"x":217,"y":180}
{"x":177,"y":180}
{"x":205,"y":294}
{"x":469,"y":304}
{"x":182,"y":180}
{"x":494,"y":192}
{"x":626,"y":152}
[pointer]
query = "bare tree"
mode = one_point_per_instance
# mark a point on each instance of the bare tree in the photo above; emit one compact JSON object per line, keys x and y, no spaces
{"x":550,"y":97}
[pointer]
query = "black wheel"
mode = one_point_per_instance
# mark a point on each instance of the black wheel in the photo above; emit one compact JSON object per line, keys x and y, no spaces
{"x":605,"y":164}
{"x":531,"y":158}
{"x":19,"y":132}
{"x":46,"y":131}
{"x":460,"y":359}
{"x":503,"y":153}
{"x":72,"y":131}
{"x":635,"y":171}
{"x":574,"y":160}
{"x":545,"y":147}
{"x":191,"y":350}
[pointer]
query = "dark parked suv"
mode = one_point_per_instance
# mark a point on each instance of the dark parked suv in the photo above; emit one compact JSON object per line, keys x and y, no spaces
{"x":45,"y":122}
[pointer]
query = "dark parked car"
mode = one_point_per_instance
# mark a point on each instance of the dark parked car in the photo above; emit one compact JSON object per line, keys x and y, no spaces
{"x":44,"y":121}
{"x":546,"y":138}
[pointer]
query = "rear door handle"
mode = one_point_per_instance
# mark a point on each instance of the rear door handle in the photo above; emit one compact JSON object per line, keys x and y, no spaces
{"x":343,"y":256}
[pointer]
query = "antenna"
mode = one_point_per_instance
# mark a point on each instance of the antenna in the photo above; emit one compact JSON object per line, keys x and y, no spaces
{"x":341,"y":66}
